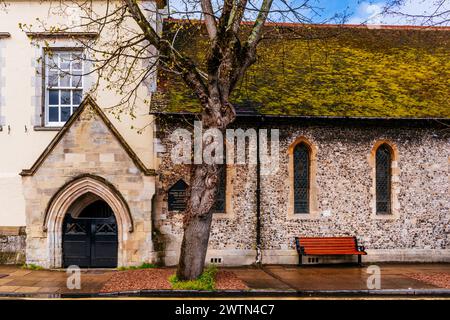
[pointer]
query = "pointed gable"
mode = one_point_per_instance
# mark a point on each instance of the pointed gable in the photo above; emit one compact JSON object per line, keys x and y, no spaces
{"x":88,"y":137}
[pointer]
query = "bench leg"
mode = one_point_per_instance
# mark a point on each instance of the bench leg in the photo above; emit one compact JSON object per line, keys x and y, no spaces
{"x":359,"y":260}
{"x":300,"y":260}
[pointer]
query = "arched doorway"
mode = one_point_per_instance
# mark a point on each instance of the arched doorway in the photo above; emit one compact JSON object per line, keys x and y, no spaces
{"x":90,"y":234}
{"x":73,"y":198}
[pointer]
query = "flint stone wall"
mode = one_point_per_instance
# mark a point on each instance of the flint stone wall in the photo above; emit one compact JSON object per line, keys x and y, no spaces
{"x":12,"y":245}
{"x":345,"y":198}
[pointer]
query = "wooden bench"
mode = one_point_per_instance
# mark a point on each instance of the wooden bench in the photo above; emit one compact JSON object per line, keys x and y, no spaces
{"x":324,"y":246}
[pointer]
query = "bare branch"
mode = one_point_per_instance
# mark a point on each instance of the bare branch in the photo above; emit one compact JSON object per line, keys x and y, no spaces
{"x":150,"y":34}
{"x":210,"y":20}
{"x":256,"y":33}
{"x":237,"y":14}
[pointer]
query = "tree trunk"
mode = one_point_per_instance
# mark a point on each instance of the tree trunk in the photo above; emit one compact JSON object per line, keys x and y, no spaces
{"x":201,"y":198}
{"x":194,"y":247}
{"x":197,"y":221}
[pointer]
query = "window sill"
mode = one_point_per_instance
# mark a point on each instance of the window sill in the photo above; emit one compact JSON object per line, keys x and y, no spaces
{"x":390,"y":216}
{"x":40,"y":128}
{"x":221,"y":215}
{"x":304,"y":216}
{"x":175,"y":211}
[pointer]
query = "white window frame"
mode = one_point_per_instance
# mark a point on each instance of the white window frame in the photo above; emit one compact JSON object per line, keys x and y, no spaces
{"x":49,"y":57}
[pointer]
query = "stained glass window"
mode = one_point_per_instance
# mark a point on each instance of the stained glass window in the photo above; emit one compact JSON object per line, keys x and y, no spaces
{"x":383,"y":179}
{"x":301,"y":178}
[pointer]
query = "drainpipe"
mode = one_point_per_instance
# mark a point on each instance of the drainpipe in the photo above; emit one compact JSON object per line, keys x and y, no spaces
{"x":258,"y":260}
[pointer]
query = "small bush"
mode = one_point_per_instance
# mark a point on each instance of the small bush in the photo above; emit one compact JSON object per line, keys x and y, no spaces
{"x":205,"y":282}
{"x":144,"y":265}
{"x":32,"y":266}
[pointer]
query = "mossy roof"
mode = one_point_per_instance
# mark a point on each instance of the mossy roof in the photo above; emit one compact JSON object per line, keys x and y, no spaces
{"x":337,"y":71}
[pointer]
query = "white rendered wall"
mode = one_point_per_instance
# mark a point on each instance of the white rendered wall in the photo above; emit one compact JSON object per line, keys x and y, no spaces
{"x":20,"y":99}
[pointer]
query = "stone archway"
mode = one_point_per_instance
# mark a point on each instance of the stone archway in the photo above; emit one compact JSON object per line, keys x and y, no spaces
{"x":66,"y":198}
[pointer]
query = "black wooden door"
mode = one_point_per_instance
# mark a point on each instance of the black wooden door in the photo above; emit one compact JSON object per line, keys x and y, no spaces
{"x":76,"y":242}
{"x":90,"y":242}
{"x":104,"y":242}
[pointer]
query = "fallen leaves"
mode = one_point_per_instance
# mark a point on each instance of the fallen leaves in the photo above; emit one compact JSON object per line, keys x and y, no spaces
{"x":157,"y":279}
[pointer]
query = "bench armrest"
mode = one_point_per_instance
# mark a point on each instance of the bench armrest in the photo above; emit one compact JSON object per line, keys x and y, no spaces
{"x":299,"y":248}
{"x":297,"y":243}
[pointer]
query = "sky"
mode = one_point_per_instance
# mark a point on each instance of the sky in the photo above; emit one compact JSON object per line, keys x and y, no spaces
{"x":366,"y":11}
{"x":371,"y":12}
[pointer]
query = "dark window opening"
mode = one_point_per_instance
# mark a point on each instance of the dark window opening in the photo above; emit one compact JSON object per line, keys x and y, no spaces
{"x":97,"y":209}
{"x":383,"y":179}
{"x":301,"y":178}
{"x":220,"y":204}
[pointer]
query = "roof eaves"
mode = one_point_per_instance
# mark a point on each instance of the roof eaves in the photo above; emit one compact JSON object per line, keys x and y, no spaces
{"x":273,"y":116}
{"x":328,"y":25}
{"x":38,"y":35}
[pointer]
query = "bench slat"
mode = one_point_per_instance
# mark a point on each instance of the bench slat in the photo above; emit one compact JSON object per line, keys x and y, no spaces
{"x":328,"y":245}
{"x":333,"y":253}
{"x":331,"y":248}
{"x":327,"y":242}
{"x":327,"y":238}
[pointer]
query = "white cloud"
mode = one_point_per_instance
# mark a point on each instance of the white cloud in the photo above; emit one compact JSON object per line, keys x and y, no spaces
{"x":410,"y":12}
{"x":368,"y":13}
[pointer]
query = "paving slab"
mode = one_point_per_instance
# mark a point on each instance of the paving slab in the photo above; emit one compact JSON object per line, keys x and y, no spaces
{"x":49,"y":290}
{"x":8,"y":289}
{"x":5,"y":281}
{"x":25,"y":289}
{"x":20,"y":273}
{"x":258,"y":279}
{"x":51,"y":283}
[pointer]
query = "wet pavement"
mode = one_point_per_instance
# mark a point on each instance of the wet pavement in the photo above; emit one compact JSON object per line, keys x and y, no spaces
{"x":339,"y":277}
{"x":14,"y":280}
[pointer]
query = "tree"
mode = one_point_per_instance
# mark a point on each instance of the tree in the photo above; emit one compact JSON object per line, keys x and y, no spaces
{"x":232,"y":50}
{"x":234,"y":29}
